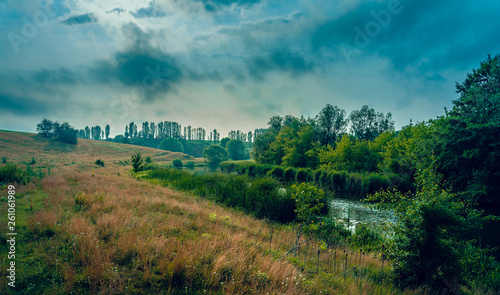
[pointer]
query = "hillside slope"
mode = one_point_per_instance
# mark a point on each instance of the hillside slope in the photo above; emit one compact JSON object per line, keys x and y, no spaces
{"x":110,"y":233}
{"x":20,"y":147}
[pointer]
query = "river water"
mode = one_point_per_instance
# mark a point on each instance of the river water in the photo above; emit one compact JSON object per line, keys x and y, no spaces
{"x":351,"y":213}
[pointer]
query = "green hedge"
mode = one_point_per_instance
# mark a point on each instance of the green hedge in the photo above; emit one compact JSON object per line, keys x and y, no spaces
{"x":261,"y":197}
{"x":343,"y":184}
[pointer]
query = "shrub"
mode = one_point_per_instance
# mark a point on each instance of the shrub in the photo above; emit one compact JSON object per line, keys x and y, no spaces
{"x":177,"y":163}
{"x":33,"y":161}
{"x":4,"y":160}
{"x":190,"y":165}
{"x":329,"y":230}
{"x":252,"y":170}
{"x":338,"y":181}
{"x":302,"y":175}
{"x":289,"y":175}
{"x":99,"y":162}
{"x":12,"y":173}
{"x":374,"y":182}
{"x":148,"y":160}
{"x":137,"y":162}
{"x":367,"y":238}
{"x":277,"y":173}
{"x":307,"y":200}
{"x":317,"y":176}
{"x":428,"y":246}
{"x":325,"y":181}
{"x":150,"y":166}
{"x":241,"y":169}
{"x":353,"y":187}
{"x":263,"y":169}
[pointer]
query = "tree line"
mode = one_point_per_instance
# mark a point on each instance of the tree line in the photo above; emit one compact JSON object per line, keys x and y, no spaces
{"x":463,"y":142}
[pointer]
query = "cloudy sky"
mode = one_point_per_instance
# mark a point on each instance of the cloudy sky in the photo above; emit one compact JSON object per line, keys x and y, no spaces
{"x":232,"y":64}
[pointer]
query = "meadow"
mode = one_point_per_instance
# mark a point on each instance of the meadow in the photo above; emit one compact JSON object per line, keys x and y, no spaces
{"x":102,"y":229}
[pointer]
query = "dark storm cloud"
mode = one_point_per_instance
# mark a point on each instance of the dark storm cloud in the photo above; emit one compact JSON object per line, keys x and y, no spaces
{"x":443,"y":32}
{"x":151,"y":10}
{"x":80,"y":19}
{"x":146,"y":68}
{"x":282,"y":60}
{"x":21,"y":105}
{"x":25,"y":96}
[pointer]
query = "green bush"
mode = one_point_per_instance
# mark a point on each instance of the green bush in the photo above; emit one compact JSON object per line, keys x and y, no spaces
{"x":228,"y":166}
{"x":429,"y":247}
{"x":148,"y":160}
{"x":367,"y":238}
{"x":329,"y":230}
{"x":150,"y":166}
{"x":177,"y":163}
{"x":251,"y":170}
{"x":277,"y":173}
{"x":190,"y":165}
{"x":99,"y":162}
{"x":289,"y":175}
{"x":263,"y":169}
{"x":317,"y":175}
{"x":4,"y":160}
{"x":137,"y":162}
{"x":302,"y":175}
{"x":241,"y":169}
{"x":374,"y":182}
{"x":11,"y":173}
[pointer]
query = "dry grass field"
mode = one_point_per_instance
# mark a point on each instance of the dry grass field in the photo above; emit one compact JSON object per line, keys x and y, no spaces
{"x":110,"y":233}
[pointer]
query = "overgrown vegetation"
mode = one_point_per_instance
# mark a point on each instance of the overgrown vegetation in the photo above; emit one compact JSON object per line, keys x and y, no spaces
{"x":430,"y":246}
{"x":260,"y":197}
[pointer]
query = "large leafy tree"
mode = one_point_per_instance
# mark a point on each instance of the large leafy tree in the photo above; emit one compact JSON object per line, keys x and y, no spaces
{"x":468,"y":143}
{"x":331,"y":124}
{"x":171,"y":144}
{"x":60,"y":132}
{"x":261,"y":146}
{"x":301,"y":150}
{"x":236,"y":149}
{"x":215,"y":154}
{"x":44,"y":128}
{"x":368,"y":124}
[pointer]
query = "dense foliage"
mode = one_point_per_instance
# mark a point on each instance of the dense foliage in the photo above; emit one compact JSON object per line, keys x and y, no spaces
{"x":215,"y":154}
{"x":430,"y":246}
{"x":59,"y":131}
{"x":260,"y":197}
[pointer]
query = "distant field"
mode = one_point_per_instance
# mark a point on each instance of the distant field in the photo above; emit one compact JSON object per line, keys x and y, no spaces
{"x":20,"y":147}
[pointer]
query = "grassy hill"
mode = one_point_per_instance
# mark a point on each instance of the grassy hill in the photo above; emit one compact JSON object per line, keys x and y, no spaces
{"x":114,"y":234}
{"x":18,"y":147}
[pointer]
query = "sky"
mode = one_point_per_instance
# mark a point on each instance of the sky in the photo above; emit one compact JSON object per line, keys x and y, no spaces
{"x":232,"y":64}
